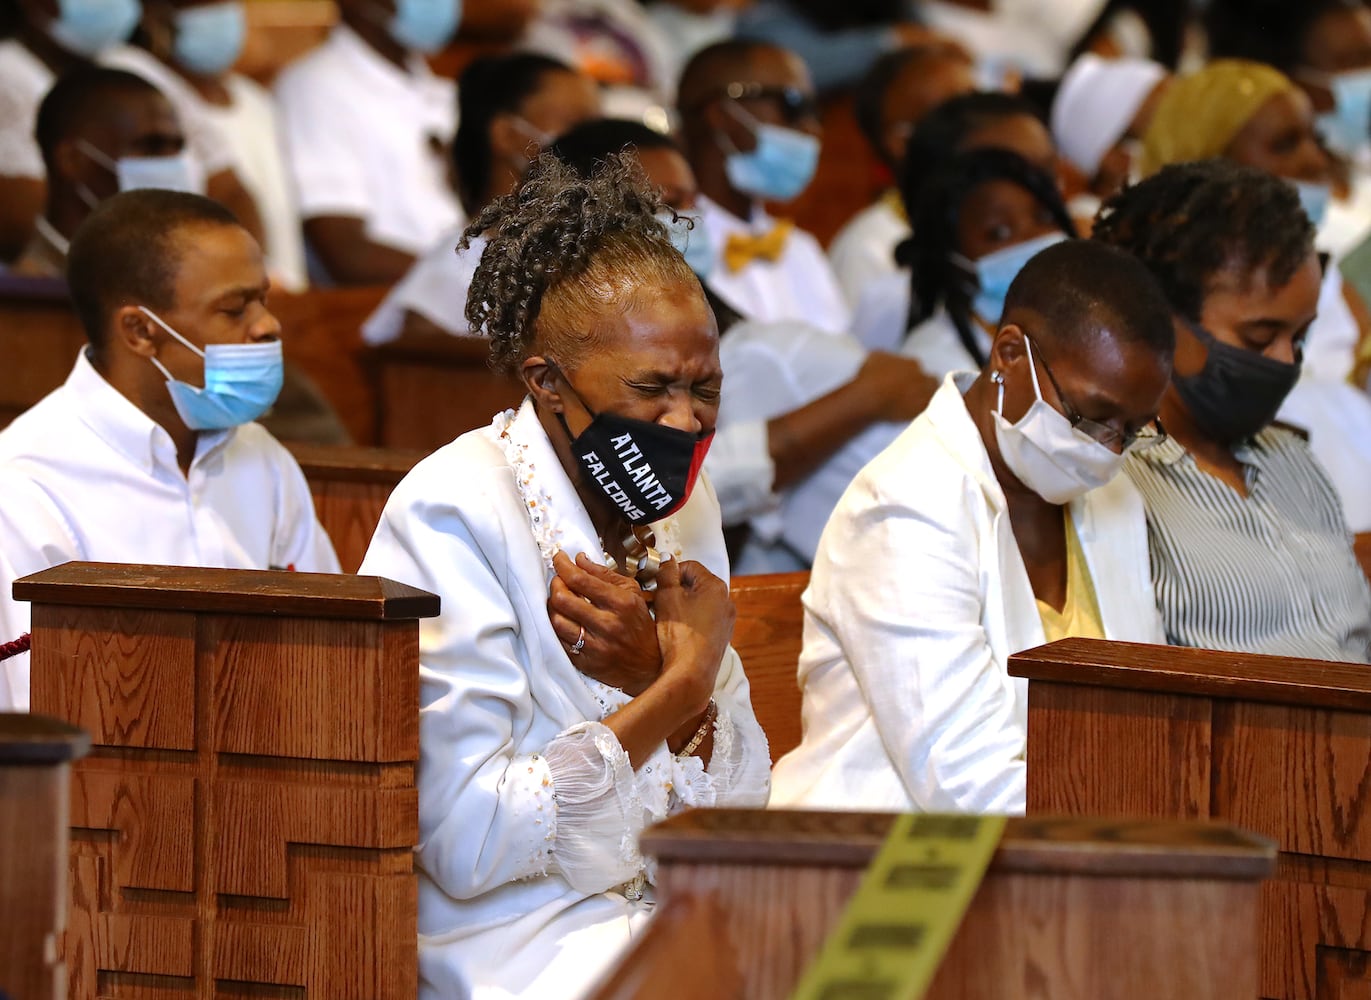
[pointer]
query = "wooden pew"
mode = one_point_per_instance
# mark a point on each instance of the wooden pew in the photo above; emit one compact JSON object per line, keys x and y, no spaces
{"x":1279,"y":746}
{"x":39,"y":340}
{"x":245,"y":824}
{"x":768,"y":639}
{"x":350,"y":487}
{"x":35,"y":771}
{"x":1361,"y":548}
{"x":322,"y":333}
{"x":1069,"y":909}
{"x":433,"y":388}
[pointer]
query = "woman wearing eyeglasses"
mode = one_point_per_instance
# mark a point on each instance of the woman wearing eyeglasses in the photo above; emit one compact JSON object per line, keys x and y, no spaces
{"x":995,"y":522}
{"x":1250,"y":549}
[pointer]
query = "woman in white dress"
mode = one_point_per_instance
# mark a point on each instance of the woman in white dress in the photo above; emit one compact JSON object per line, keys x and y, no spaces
{"x":578,"y":685}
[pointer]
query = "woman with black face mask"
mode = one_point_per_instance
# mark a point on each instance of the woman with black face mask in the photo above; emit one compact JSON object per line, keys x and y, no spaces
{"x":579,"y":684}
{"x":1250,"y":549}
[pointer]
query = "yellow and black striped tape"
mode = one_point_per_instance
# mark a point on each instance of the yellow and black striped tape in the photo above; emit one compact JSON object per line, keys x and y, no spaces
{"x":893,"y":934}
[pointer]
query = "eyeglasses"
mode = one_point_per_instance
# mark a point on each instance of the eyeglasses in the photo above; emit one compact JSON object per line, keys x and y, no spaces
{"x":795,"y":104}
{"x":1143,"y":439}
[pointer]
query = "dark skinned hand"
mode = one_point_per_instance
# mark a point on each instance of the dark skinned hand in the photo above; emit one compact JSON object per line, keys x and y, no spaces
{"x":621,"y":647}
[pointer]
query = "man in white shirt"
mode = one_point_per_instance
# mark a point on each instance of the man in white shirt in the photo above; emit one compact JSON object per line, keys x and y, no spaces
{"x":367,"y":127}
{"x":147,"y":453}
{"x":751,"y":134}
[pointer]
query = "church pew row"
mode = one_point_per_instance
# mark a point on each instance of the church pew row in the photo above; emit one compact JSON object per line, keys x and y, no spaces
{"x":417,"y":395}
{"x":1071,"y":909}
{"x":245,"y":822}
{"x":350,"y":487}
{"x":1278,"y":746}
{"x":35,"y":775}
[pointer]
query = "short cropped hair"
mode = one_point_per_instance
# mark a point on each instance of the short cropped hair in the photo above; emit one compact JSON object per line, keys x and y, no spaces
{"x":80,"y":97}
{"x":1079,"y":287}
{"x":129,"y":250}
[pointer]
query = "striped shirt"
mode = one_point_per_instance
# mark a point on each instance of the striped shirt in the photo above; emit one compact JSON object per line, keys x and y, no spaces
{"x":1272,"y":572}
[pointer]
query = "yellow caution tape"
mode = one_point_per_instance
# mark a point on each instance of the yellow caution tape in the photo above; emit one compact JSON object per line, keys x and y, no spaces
{"x":896,"y":929}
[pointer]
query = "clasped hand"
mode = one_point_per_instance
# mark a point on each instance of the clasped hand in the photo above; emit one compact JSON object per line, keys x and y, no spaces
{"x":620,"y":636}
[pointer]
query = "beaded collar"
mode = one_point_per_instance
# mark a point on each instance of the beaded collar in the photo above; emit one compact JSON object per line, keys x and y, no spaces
{"x":546,"y":516}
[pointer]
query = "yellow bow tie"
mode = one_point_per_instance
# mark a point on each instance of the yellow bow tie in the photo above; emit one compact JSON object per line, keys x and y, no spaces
{"x":743,"y":248}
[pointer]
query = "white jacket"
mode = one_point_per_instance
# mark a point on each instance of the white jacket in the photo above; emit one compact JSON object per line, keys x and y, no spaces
{"x":919,"y":596}
{"x":529,"y":811}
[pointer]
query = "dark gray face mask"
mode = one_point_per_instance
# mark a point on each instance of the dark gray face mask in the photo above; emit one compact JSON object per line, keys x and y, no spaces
{"x":1237,"y":392}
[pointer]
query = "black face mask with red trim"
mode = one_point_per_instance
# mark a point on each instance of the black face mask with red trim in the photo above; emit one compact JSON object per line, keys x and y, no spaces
{"x":645,"y":470}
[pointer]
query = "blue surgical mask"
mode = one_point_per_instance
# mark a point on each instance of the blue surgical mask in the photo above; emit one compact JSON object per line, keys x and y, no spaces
{"x":425,"y":25}
{"x":1314,"y":200}
{"x":780,"y":166}
{"x":136,"y":173}
{"x":210,"y":38}
{"x":241,"y":382}
{"x":89,"y":27}
{"x":693,"y":242}
{"x":995,"y":272}
{"x":1347,"y":128}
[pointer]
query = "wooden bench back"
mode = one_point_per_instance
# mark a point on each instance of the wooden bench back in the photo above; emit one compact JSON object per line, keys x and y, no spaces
{"x":249,"y":813}
{"x":35,"y":774}
{"x":768,"y":637}
{"x":1278,"y":746}
{"x":1068,"y":909}
{"x":350,"y":487}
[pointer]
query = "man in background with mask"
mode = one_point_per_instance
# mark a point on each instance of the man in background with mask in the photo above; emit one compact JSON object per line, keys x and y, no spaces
{"x":187,"y":49}
{"x":751,"y":134}
{"x":367,"y":126}
{"x":51,"y":39}
{"x":100,"y":131}
{"x":148,"y":453}
{"x":997,"y":521}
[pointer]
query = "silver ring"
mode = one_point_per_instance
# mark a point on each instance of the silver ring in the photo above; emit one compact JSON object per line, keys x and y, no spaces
{"x":575,"y":648}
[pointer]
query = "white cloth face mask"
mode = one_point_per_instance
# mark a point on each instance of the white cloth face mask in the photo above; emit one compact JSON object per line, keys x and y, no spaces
{"x":1047,"y":454}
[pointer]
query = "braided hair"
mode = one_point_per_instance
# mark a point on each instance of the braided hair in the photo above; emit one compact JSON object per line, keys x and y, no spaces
{"x":565,"y":250}
{"x":936,"y":207}
{"x":1190,"y":221}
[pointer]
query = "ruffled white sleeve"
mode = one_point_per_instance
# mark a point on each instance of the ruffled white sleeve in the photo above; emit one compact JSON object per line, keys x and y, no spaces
{"x":599,"y":812}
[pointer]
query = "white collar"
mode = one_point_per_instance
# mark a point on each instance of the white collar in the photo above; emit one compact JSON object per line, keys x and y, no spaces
{"x":124,"y":427}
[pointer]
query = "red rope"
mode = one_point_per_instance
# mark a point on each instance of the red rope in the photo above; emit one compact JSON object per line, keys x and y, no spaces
{"x":20,"y":645}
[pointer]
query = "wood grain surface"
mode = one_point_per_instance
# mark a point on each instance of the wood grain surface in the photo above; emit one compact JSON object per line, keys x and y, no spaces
{"x":1071,"y":909}
{"x":434,"y":388}
{"x":1204,"y":672}
{"x":1115,"y":728}
{"x":35,"y":766}
{"x":229,"y":591}
{"x":350,"y":487}
{"x":768,"y":637}
{"x":245,"y":824}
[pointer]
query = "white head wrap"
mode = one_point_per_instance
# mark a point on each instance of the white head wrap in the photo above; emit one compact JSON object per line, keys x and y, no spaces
{"x":1096,"y":102}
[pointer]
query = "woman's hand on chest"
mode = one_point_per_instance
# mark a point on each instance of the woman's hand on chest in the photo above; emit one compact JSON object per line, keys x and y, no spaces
{"x":604,"y":619}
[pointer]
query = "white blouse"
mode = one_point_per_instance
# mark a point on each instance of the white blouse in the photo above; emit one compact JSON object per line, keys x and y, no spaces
{"x":530,"y":879}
